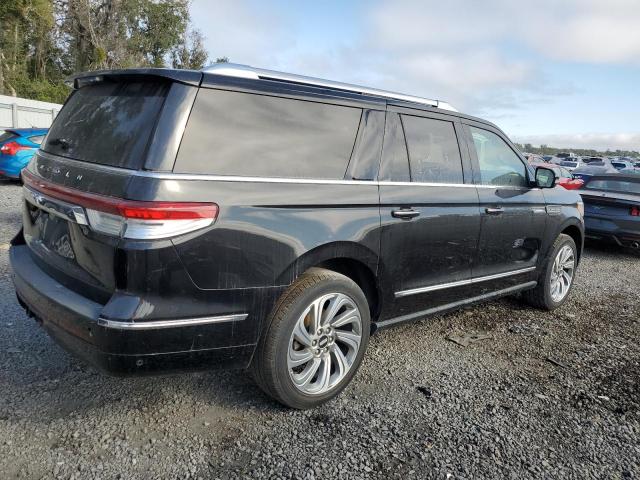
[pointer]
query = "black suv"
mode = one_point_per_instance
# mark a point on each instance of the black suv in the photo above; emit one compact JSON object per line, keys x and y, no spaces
{"x":247,"y":218}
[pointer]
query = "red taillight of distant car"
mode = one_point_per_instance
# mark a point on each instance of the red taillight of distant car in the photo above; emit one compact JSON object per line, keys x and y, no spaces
{"x":635,"y":211}
{"x":569,"y":184}
{"x":11,"y":148}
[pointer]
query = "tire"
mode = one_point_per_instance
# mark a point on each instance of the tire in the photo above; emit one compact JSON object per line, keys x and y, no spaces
{"x":542,"y":296}
{"x":274,"y":366}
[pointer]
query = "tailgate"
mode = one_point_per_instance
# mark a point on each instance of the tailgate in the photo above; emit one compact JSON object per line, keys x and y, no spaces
{"x":104,"y":132}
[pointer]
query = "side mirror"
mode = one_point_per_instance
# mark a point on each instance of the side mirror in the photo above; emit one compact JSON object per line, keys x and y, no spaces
{"x":545,"y":178}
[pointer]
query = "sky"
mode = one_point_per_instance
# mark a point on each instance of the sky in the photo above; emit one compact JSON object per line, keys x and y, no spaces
{"x":565,"y":73}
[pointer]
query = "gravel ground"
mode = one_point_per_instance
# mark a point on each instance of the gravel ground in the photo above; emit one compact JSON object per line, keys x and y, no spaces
{"x":548,"y":395}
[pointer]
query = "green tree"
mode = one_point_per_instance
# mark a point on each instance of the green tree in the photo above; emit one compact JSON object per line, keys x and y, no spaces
{"x":43,"y":41}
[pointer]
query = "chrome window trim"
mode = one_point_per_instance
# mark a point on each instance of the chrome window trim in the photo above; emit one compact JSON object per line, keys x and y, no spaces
{"x":157,"y":324}
{"x":246,"y":179}
{"x":459,"y":283}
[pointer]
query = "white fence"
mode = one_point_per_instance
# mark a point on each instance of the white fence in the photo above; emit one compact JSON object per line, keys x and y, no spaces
{"x":22,"y":113}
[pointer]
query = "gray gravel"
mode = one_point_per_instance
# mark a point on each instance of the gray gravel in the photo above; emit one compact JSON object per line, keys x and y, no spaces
{"x":548,"y":395}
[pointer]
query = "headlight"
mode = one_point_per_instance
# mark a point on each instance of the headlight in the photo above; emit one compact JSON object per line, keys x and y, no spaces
{"x":580,"y":206}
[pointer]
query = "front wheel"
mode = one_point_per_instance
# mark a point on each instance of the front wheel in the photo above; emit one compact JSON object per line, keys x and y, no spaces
{"x":315,"y":340}
{"x":556,"y":279}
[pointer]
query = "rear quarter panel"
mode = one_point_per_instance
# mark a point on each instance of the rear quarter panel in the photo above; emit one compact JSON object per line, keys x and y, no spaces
{"x":265,"y":230}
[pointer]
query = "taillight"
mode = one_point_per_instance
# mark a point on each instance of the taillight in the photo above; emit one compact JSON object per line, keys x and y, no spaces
{"x":11,"y":148}
{"x":128,"y":218}
{"x":635,"y":211}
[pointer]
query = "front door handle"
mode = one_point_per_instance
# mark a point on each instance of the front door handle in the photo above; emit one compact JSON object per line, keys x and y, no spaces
{"x":405,"y":213}
{"x":494,"y":210}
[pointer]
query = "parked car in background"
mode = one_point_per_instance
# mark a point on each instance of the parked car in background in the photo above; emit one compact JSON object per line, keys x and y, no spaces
{"x":564,"y":177}
{"x":534,"y":158}
{"x":552,"y":159}
{"x":572,"y":163}
{"x":612,"y":208}
{"x":617,"y":165}
{"x":622,"y":165}
{"x":17,"y":146}
{"x":588,"y":171}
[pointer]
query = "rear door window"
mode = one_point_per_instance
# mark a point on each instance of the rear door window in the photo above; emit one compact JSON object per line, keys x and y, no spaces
{"x":499,"y":164}
{"x":434,"y":155}
{"x":243,"y":134}
{"x":109,"y":123}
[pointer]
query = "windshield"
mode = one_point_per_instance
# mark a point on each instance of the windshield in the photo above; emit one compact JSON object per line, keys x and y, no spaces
{"x":109,"y":123}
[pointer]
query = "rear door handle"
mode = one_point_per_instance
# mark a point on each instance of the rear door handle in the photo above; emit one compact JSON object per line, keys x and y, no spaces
{"x":494,"y":210}
{"x":405,"y":213}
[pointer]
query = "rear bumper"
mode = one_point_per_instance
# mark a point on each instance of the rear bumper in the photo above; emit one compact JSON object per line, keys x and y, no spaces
{"x":12,"y":166}
{"x":608,"y":230}
{"x":123,"y":346}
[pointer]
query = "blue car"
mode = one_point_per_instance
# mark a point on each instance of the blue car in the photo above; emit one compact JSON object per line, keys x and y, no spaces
{"x":17,"y":146}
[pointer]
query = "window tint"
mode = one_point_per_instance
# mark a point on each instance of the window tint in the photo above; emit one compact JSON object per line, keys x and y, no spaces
{"x":624,"y":186}
{"x":434,"y":155}
{"x":564,"y":173}
{"x":499,"y":165}
{"x":395,"y":161}
{"x":108,"y":123}
{"x":231,"y":133}
{"x":6,"y":136}
{"x":366,"y":152}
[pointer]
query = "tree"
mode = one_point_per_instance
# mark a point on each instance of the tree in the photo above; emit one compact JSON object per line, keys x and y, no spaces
{"x":191,"y":53}
{"x":44,"y":41}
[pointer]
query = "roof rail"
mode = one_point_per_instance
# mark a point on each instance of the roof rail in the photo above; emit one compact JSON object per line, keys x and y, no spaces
{"x":246,"y":71}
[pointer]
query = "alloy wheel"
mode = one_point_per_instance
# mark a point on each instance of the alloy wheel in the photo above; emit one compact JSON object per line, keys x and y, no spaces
{"x":324,"y":343}
{"x":562,"y":273}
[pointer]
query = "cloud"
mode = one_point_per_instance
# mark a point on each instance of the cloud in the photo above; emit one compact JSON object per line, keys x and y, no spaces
{"x":245,"y":31}
{"x":587,"y":31}
{"x":497,"y":59}
{"x":598,"y":141}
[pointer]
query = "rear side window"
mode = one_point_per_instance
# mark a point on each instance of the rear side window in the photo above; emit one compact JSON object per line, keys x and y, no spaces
{"x":232,"y":133}
{"x":434,"y":155}
{"x":499,"y":165}
{"x":37,"y":139}
{"x":109,"y":123}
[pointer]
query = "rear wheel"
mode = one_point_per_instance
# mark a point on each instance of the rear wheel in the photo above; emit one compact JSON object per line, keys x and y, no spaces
{"x":556,"y":280}
{"x":315,"y":340}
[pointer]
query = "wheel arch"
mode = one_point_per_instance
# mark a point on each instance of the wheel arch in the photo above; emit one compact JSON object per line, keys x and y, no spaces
{"x":352,"y":260}
{"x":576,"y":233}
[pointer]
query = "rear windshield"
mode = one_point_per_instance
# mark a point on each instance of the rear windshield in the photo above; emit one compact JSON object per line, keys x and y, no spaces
{"x":109,"y":123}
{"x":4,"y":136}
{"x":611,"y":185}
{"x":569,"y":164}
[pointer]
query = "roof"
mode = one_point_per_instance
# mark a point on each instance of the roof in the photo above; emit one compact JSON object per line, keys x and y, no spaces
{"x":246,"y":71}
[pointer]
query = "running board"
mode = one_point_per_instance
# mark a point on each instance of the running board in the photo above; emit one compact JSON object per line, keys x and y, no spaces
{"x":454,"y":305}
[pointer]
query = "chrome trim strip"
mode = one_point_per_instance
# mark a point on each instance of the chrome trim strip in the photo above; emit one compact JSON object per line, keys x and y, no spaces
{"x":247,"y":71}
{"x":454,"y":305}
{"x":184,"y":322}
{"x":459,"y":283}
{"x":235,"y":178}
{"x":68,"y":211}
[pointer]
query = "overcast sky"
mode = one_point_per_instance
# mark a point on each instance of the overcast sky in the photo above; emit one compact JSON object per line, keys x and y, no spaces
{"x":561,"y":72}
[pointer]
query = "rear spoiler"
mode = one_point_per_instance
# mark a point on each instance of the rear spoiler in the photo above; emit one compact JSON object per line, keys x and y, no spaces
{"x":188,"y":77}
